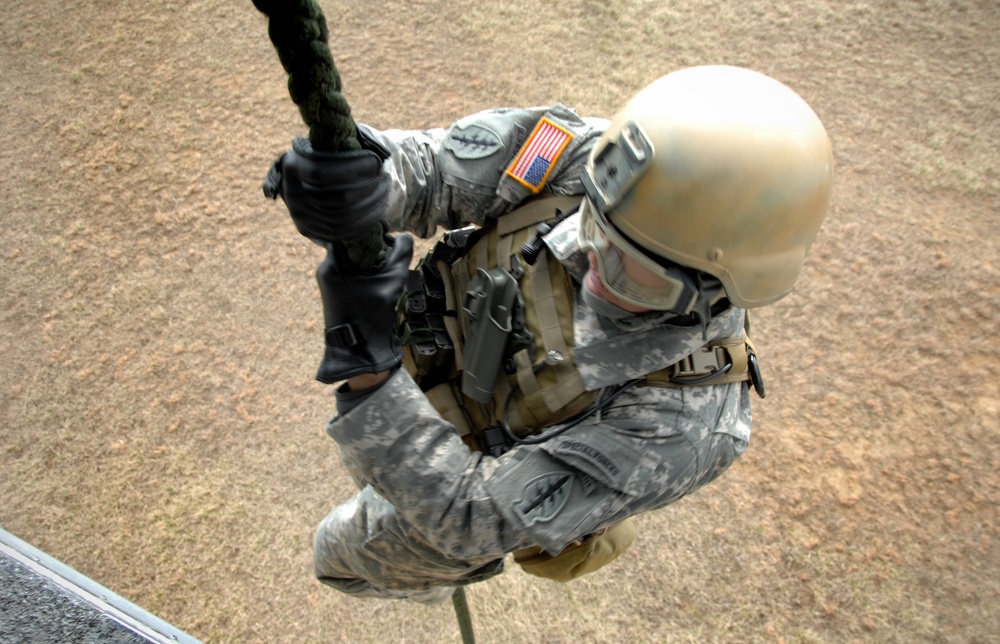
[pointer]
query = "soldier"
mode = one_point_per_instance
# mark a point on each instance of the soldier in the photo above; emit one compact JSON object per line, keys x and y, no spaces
{"x":581,"y":353}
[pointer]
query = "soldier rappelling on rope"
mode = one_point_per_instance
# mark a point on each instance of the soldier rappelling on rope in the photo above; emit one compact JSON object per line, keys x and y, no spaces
{"x":576,"y":350}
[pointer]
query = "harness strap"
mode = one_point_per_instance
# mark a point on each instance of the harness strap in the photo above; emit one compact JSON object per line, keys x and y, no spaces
{"x":558,"y":356}
{"x":505,"y":247}
{"x":451,"y":322}
{"x":698,"y":368}
{"x":534,"y":213}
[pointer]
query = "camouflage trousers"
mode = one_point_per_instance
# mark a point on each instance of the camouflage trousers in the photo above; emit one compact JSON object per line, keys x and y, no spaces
{"x":364,"y":549}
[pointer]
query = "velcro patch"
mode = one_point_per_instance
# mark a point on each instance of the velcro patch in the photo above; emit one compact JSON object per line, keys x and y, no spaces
{"x":612,"y":460}
{"x":473,"y":141}
{"x":544,"y":497}
{"x":539,"y":154}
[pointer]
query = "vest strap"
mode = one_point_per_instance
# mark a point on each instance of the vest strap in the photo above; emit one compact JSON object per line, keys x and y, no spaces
{"x":535,"y":212}
{"x":716,"y":363}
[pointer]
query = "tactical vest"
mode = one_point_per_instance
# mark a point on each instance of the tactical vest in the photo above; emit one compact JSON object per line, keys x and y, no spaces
{"x":492,"y":302}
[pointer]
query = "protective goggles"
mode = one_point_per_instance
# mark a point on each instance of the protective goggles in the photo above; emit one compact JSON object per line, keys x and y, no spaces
{"x":674,"y":290}
{"x":609,"y":177}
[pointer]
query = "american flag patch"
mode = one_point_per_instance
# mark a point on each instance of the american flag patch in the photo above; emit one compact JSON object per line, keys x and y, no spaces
{"x":538,"y":155}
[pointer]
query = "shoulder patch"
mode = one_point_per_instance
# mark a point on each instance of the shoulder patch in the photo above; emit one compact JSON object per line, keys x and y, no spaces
{"x":536,"y":158}
{"x":473,"y":141}
{"x":544,"y":496}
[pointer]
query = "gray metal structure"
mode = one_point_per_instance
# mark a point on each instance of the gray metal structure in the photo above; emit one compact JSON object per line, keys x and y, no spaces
{"x":43,"y":600}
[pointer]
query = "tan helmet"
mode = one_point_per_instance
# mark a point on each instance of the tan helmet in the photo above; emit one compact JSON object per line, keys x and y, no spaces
{"x":716,"y":168}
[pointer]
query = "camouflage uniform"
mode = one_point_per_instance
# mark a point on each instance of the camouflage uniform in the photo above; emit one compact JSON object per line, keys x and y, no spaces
{"x":431,"y":514}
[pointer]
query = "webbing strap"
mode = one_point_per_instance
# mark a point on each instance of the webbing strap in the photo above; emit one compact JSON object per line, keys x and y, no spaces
{"x":712,"y":357}
{"x":482,"y":257}
{"x":545,"y":306}
{"x":526,"y":380}
{"x":535,"y":212}
{"x":451,"y":323}
{"x":505,"y":246}
{"x":569,"y":384}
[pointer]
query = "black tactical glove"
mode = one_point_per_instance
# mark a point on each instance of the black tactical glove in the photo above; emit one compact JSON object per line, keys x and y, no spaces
{"x":359,"y":312}
{"x":331,"y":195}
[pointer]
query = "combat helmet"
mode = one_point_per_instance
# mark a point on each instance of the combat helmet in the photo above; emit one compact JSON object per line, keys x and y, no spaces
{"x":713,"y":170}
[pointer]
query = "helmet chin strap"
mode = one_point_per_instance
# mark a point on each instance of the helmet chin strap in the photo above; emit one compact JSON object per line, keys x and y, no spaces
{"x":704,"y":305}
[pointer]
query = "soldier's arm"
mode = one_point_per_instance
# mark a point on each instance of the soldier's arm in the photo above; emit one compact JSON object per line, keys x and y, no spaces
{"x":638,"y":456}
{"x":465,"y":174}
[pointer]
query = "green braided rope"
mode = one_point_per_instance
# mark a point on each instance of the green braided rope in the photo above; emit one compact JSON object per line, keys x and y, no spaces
{"x":298,"y":32}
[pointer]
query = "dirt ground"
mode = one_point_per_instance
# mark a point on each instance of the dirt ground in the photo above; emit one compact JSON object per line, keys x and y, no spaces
{"x":161,"y":428}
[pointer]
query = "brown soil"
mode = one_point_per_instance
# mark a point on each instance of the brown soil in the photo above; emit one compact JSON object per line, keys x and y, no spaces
{"x":160,"y":330}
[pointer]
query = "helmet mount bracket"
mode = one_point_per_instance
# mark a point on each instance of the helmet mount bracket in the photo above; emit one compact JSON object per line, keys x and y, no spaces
{"x":617,"y":167}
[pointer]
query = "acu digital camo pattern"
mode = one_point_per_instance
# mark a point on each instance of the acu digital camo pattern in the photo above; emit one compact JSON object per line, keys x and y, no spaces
{"x":431,"y":514}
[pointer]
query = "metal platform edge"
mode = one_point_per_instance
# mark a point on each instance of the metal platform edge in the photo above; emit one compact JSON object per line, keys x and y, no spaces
{"x":141,"y":622}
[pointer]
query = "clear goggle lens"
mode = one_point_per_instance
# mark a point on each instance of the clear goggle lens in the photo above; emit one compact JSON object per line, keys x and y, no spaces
{"x":609,"y":246}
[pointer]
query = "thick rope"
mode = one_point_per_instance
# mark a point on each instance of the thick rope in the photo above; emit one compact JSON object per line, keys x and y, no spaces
{"x":298,"y":31}
{"x":464,"y":615}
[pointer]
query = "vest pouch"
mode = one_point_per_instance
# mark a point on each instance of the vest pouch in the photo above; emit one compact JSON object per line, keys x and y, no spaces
{"x":581,"y":557}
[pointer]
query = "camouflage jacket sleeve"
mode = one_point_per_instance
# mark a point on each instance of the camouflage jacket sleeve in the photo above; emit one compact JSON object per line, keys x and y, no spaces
{"x":651,"y":447}
{"x":459,"y":176}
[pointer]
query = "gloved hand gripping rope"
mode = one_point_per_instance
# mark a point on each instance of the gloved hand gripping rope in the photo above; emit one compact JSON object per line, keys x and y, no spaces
{"x":335,"y":189}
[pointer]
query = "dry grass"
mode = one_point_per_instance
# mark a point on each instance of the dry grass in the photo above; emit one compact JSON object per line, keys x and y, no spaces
{"x":162,"y":432}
